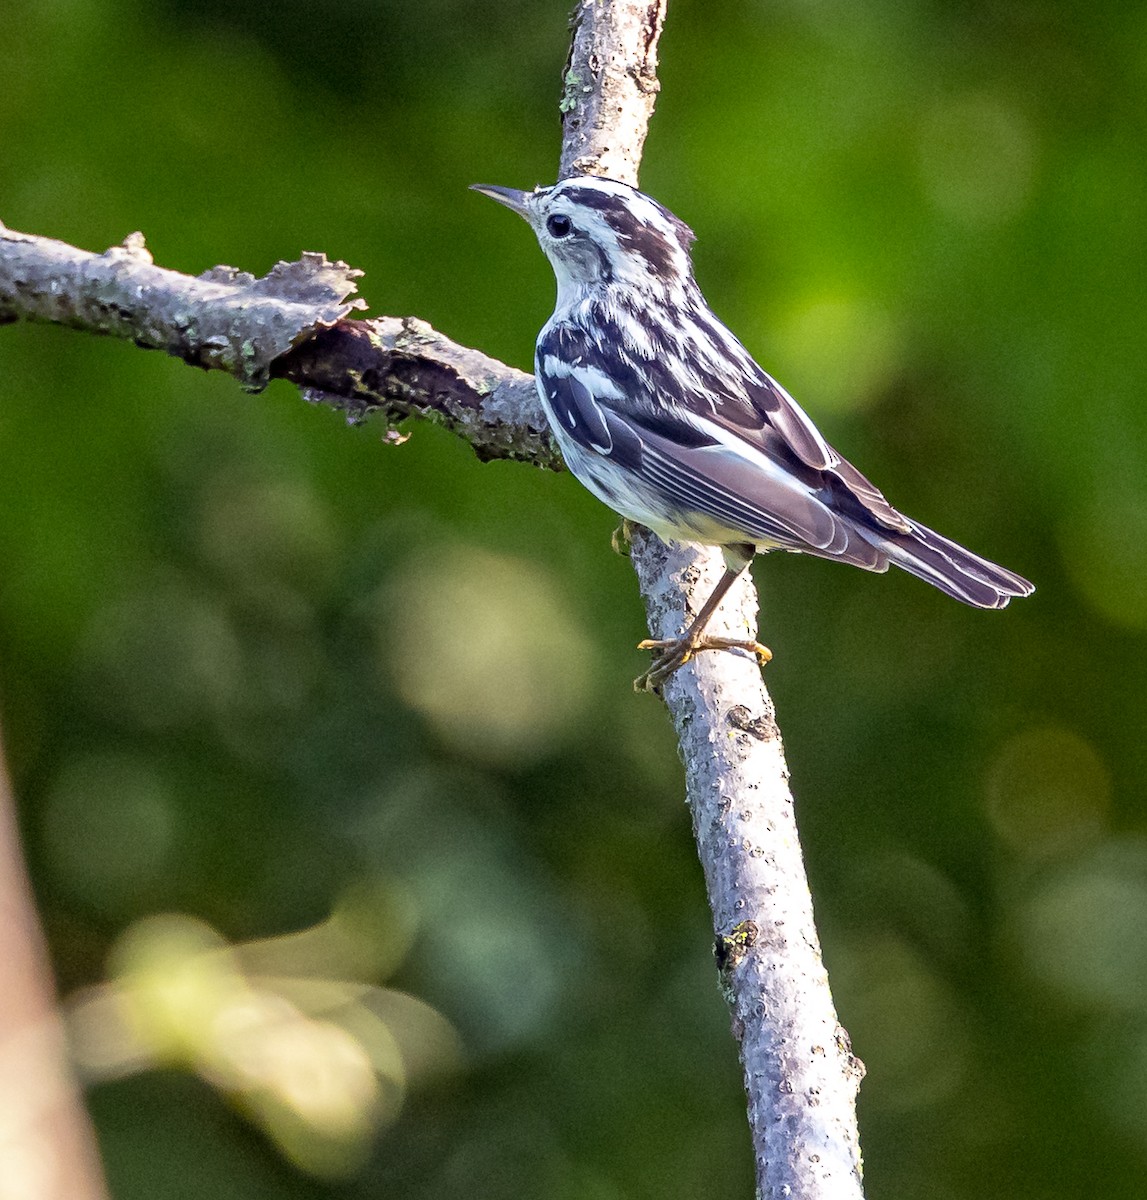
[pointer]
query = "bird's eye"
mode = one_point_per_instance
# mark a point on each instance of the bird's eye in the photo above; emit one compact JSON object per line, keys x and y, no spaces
{"x":558,"y":226}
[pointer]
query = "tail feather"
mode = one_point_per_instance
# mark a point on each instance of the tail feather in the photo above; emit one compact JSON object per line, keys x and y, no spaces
{"x":957,"y":572}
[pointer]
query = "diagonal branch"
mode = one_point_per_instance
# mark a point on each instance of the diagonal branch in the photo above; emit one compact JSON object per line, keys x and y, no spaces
{"x":800,"y":1074}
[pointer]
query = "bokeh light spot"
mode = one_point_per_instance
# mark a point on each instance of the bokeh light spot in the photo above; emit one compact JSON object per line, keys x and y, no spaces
{"x":1047,"y":791}
{"x":109,"y":828}
{"x":504,"y":945}
{"x":848,"y":346}
{"x":273,"y":539}
{"x":1082,"y":931}
{"x":319,"y":1064}
{"x":1116,"y":1050}
{"x":977,"y":158}
{"x":1104,"y":549}
{"x":485,"y":647}
{"x":162,"y":654}
{"x":904,"y":1021}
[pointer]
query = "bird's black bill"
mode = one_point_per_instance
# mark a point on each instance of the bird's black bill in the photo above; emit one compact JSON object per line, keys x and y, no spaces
{"x":512,"y":198}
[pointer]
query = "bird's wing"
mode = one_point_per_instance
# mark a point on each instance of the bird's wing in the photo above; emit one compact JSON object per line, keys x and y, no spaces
{"x":727,"y":457}
{"x":786,"y":416}
{"x":715,"y":377}
{"x":709,"y":480}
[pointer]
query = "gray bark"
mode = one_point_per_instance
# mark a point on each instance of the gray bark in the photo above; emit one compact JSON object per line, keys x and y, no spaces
{"x":609,"y":87}
{"x":800,"y":1074}
{"x":287,"y":324}
{"x":224,"y":319}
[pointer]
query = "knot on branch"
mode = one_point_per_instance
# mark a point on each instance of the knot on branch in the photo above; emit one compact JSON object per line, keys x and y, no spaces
{"x":763,"y":727}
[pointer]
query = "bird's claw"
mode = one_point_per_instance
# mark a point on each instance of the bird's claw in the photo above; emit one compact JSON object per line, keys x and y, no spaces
{"x":621,"y":537}
{"x":676,"y":652}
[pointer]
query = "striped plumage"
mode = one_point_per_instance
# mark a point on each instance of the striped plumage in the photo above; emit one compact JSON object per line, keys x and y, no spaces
{"x":663,"y":414}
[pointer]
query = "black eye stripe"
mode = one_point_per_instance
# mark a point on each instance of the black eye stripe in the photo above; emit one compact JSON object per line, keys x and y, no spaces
{"x":558,"y":226}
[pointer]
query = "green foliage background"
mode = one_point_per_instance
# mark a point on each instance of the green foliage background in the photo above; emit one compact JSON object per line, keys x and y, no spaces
{"x":254,"y":662}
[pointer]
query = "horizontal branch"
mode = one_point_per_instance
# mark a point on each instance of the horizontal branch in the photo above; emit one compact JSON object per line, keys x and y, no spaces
{"x":224,"y":319}
{"x":291,"y":324}
{"x":405,"y":368}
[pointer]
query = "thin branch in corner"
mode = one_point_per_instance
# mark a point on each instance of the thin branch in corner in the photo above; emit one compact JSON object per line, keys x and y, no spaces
{"x":48,"y":1146}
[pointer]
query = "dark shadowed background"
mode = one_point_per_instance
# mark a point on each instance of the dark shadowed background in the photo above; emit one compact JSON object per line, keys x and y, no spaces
{"x":363,"y":714}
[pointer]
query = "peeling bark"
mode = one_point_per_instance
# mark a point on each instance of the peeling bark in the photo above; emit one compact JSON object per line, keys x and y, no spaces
{"x":289,"y":325}
{"x":405,"y":368}
{"x":224,"y":319}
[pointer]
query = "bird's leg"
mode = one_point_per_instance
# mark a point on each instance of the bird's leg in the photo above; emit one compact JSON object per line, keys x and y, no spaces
{"x":676,"y":652}
{"x":622,"y":536}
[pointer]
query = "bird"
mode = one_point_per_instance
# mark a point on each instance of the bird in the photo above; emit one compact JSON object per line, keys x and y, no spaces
{"x":661,"y":412}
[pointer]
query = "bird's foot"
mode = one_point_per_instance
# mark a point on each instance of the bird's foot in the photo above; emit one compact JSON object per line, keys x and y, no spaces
{"x":672,"y":653}
{"x":622,"y":536}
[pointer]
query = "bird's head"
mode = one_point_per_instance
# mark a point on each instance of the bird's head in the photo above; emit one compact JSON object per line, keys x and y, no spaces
{"x":597,"y":231}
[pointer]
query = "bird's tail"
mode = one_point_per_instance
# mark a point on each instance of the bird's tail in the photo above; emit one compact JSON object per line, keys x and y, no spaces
{"x":958,"y":572}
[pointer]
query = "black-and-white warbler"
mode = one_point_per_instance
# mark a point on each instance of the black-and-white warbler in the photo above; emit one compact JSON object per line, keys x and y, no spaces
{"x":663,"y":414}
